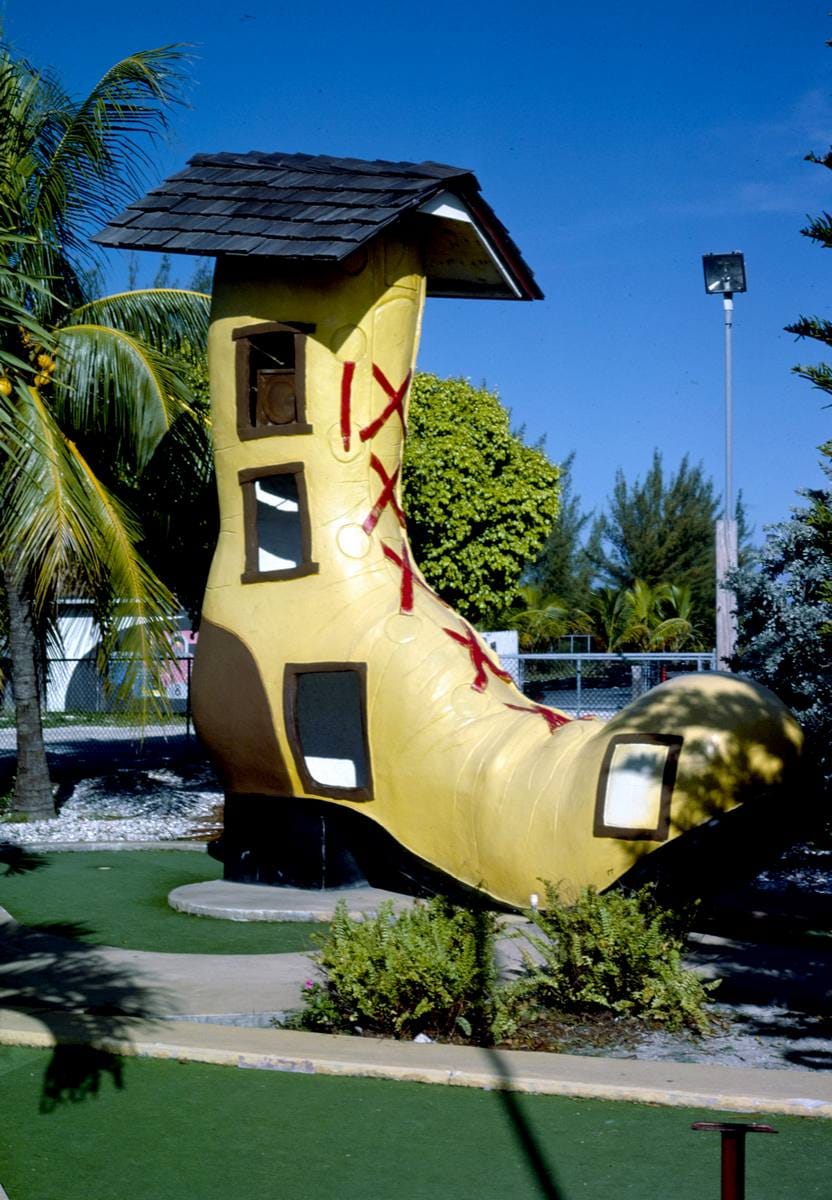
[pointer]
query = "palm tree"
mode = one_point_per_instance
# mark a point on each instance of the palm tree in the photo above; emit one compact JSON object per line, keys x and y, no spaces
{"x":644,"y":618}
{"x":88,"y":389}
{"x":610,"y":613}
{"x":542,"y":618}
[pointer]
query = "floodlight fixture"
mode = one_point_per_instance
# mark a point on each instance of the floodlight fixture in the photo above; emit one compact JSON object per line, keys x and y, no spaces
{"x":724,"y":273}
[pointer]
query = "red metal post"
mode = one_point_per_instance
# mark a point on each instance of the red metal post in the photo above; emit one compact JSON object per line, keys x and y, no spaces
{"x":733,"y":1154}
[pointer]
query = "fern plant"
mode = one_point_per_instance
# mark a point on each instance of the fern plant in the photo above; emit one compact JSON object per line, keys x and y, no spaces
{"x":614,"y":952}
{"x":430,"y":970}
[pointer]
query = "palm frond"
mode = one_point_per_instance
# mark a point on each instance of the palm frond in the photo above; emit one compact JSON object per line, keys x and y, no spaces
{"x":68,"y":533}
{"x":110,"y":381}
{"x":47,"y":522}
{"x":671,"y":634}
{"x":161,"y":317}
{"x":138,"y":610}
{"x":16,"y":287}
{"x":98,"y":162}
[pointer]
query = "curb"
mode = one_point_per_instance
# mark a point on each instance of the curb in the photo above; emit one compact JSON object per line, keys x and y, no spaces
{"x":670,"y":1084}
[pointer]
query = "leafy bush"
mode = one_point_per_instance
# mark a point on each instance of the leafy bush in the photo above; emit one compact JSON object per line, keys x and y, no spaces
{"x":431,"y":970}
{"x":614,"y":952}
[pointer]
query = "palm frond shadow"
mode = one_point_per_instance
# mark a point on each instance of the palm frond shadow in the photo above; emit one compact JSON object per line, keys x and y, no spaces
{"x":517,"y":1120}
{"x":81,"y":997}
{"x":522,"y":1130}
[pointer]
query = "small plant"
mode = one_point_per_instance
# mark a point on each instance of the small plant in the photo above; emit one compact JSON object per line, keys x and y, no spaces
{"x":614,"y":952}
{"x":430,"y":970}
{"x":6,"y":801}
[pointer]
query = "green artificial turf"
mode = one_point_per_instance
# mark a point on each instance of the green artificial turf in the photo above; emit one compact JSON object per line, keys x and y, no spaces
{"x":120,"y":899}
{"x":187,"y":1131}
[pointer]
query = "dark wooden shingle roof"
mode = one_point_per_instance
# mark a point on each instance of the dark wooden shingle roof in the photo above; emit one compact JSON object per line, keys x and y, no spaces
{"x":314,"y":207}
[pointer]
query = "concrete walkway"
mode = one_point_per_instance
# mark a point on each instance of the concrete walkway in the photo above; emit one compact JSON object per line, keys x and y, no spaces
{"x":796,"y":1093}
{"x":86,"y":984}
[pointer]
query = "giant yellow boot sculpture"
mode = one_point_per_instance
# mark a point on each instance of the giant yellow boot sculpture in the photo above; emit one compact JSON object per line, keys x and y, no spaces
{"x":328,"y":672}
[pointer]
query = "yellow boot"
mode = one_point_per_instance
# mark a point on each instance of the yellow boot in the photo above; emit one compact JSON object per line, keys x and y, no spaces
{"x":328,"y":671}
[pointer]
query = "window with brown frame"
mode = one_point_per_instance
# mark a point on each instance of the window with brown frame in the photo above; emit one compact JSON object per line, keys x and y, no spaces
{"x":271,"y":397}
{"x":635,"y":787}
{"x":278,"y":538}
{"x":326,"y":723}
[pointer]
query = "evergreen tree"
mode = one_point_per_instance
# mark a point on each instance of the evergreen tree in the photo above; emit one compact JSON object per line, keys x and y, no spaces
{"x":784,"y":636}
{"x":785,"y":599}
{"x":661,"y":531}
{"x":563,"y":569}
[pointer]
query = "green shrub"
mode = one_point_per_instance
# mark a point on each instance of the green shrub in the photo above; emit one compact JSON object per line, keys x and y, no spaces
{"x":615,"y":952}
{"x":430,"y":970}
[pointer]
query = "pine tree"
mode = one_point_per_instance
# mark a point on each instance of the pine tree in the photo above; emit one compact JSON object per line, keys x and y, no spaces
{"x":785,"y":599}
{"x":661,"y":531}
{"x":562,"y":569}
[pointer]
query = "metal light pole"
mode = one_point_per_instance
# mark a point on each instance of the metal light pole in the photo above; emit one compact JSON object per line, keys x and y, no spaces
{"x":724,"y":275}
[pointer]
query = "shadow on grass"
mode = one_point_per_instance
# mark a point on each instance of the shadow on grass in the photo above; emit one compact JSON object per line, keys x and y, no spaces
{"x":522,"y":1131}
{"x":485,"y":980}
{"x":72,"y":989}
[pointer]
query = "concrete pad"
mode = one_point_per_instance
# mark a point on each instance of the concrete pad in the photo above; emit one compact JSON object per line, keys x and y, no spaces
{"x":229,"y":901}
{"x":730,"y":1089}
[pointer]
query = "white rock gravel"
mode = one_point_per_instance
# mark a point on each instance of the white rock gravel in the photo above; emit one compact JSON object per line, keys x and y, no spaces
{"x":161,"y":804}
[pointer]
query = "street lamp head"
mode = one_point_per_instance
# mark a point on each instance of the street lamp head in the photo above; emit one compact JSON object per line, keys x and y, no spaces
{"x":724,"y":273}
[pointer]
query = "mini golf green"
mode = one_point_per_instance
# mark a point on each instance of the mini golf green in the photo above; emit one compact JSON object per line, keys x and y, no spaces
{"x":187,"y":1130}
{"x":120,"y":899}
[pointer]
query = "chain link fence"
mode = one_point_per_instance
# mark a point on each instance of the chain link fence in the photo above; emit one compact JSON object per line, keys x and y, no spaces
{"x":80,"y":707}
{"x":597,"y":685}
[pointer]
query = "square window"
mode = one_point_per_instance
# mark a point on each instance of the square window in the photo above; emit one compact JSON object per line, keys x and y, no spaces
{"x":276,"y":524}
{"x":635,"y":787}
{"x":270,"y":380}
{"x":326,"y":723}
{"x":279,"y":533}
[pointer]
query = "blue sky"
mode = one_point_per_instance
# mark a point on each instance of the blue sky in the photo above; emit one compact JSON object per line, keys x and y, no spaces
{"x":618,"y":142}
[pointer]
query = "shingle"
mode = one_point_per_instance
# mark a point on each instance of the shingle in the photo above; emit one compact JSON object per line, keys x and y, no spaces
{"x":237,"y":224}
{"x":224,"y":207}
{"x":193,"y":204}
{"x":284,"y":247}
{"x":295,"y":206}
{"x":237,"y":244}
{"x":202,"y":243}
{"x":151,"y":239}
{"x":153,"y":200}
{"x":117,"y":237}
{"x":278,"y":211}
{"x":158,"y":220}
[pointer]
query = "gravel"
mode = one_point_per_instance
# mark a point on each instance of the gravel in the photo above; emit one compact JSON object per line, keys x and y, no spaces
{"x":156,"y":805}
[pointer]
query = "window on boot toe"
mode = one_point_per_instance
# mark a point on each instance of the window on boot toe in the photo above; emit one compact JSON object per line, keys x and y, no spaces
{"x":325,"y":710}
{"x":635,"y":787}
{"x":277,"y":531}
{"x":270,"y":380}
